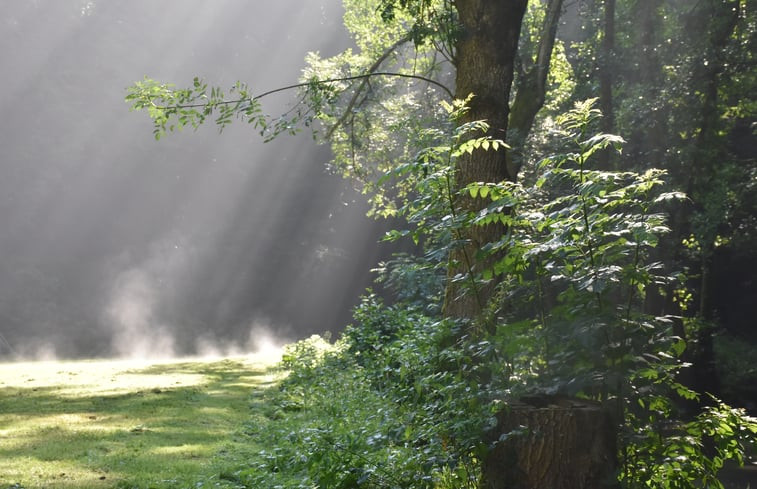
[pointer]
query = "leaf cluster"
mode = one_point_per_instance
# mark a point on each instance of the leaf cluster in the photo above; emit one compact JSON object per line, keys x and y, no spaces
{"x":433,"y":20}
{"x":172,"y":109}
{"x":662,"y":451}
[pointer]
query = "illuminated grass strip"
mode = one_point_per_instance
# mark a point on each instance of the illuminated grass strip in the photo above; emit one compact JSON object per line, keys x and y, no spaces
{"x":125,"y":424}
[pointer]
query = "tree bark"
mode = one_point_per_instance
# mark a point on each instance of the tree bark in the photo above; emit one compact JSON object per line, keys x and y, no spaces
{"x":485,"y":58}
{"x":553,"y":443}
{"x":531,"y":88}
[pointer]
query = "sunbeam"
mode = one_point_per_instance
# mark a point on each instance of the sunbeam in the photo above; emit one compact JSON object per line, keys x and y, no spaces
{"x":115,"y":244}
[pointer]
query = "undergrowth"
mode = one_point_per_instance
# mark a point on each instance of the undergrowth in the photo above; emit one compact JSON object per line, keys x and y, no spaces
{"x":382,"y":407}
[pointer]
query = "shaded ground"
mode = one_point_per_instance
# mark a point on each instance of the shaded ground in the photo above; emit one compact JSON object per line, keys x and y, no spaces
{"x":125,"y":424}
{"x":740,"y":477}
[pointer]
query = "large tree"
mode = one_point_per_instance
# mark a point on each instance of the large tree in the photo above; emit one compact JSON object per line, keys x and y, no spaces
{"x":412,"y":42}
{"x":485,"y":55}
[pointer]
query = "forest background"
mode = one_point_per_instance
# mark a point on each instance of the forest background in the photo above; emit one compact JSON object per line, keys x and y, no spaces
{"x":581,"y":179}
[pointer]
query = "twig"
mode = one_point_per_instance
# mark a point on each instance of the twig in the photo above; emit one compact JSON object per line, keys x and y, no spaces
{"x":372,"y":69}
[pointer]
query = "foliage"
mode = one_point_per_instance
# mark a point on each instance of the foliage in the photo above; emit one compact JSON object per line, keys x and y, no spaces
{"x":581,"y":254}
{"x":667,"y":453}
{"x":576,"y":268}
{"x":431,"y":172}
{"x":414,"y":280}
{"x":736,"y":368}
{"x":171,"y":109}
{"x":382,"y":408}
{"x":429,"y":19}
{"x":561,"y":78}
{"x":405,"y":399}
{"x":684,"y":96}
{"x":303,"y":357}
{"x":329,"y":432}
{"x":374,"y":124}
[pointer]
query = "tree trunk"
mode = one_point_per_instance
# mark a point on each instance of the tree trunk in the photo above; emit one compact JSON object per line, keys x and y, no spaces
{"x":532,"y":88}
{"x":722,"y":19}
{"x":606,"y":77}
{"x":485,"y":58}
{"x":570,"y":444}
{"x":553,"y":443}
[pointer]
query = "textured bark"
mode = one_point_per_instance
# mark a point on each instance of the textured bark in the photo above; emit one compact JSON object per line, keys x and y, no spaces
{"x":555,"y":444}
{"x":485,"y":57}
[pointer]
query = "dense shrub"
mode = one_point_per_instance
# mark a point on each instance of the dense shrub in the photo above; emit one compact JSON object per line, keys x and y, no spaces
{"x":385,"y":406}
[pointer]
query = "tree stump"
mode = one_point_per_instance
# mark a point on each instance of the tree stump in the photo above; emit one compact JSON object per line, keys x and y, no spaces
{"x":552,"y":443}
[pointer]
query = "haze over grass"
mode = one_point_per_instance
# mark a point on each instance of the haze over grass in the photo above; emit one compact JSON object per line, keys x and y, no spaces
{"x":126,"y":423}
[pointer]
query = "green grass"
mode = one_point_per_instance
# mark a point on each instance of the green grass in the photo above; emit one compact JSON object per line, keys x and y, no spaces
{"x":127,"y":424}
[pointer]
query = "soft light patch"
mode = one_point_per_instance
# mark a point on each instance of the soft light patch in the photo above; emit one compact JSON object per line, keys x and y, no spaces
{"x":124,"y":423}
{"x":106,"y":377}
{"x":266,"y":346}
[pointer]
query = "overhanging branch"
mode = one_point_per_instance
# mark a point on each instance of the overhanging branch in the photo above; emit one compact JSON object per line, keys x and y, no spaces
{"x":321,"y":82}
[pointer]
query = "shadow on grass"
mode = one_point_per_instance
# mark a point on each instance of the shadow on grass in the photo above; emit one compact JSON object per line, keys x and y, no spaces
{"x":154,"y":437}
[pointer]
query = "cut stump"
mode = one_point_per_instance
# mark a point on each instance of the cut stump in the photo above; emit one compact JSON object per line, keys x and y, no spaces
{"x":552,"y":443}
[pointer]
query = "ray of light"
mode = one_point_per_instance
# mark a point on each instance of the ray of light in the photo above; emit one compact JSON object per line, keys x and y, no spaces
{"x":115,"y":243}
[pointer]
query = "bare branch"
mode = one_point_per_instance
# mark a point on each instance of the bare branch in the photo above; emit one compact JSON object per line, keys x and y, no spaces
{"x":372,"y":69}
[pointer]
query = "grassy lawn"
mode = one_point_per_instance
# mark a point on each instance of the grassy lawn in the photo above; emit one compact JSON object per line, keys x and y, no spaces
{"x":126,"y":424}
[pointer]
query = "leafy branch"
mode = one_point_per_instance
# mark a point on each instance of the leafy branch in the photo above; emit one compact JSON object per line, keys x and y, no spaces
{"x":173,"y":109}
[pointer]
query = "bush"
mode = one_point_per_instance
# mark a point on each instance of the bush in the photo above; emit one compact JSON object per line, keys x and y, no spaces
{"x":385,"y":406}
